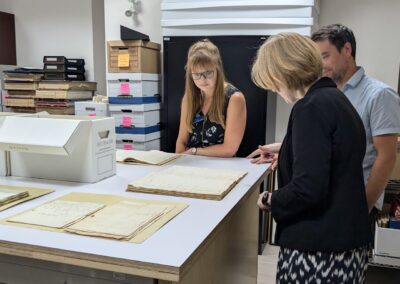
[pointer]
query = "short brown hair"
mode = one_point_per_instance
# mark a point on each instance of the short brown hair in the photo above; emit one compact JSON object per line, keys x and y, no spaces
{"x":287,"y":58}
{"x":337,"y":35}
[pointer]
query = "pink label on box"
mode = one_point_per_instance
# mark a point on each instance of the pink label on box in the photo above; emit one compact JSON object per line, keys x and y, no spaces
{"x":91,"y":114}
{"x":126,"y":121}
{"x":124,"y":88}
{"x":127,"y":147}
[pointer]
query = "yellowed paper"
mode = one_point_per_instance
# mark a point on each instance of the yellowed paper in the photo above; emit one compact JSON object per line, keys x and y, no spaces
{"x":184,"y":181}
{"x":9,"y":195}
{"x":32,"y":194}
{"x":57,"y":214}
{"x":153,"y":157}
{"x":123,"y":60}
{"x":121,"y":220}
{"x":106,"y":199}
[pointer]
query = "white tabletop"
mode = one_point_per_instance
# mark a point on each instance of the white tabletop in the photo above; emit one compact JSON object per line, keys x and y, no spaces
{"x":172,"y":245}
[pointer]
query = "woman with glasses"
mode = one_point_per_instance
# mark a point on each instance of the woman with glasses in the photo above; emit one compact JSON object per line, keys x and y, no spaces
{"x":213,"y":111}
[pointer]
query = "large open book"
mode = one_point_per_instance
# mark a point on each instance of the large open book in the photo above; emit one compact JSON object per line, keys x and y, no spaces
{"x":189,"y":182}
{"x":153,"y":157}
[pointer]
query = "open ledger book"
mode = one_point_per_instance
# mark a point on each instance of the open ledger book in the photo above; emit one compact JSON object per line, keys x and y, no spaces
{"x":189,"y":182}
{"x":153,"y":157}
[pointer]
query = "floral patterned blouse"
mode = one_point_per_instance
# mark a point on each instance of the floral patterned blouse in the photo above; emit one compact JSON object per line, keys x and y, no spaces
{"x":206,"y":133}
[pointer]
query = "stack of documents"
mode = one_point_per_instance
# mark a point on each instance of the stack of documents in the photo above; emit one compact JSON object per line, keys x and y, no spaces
{"x":153,"y":157}
{"x":107,"y":216}
{"x":10,"y":195}
{"x":122,"y":220}
{"x":189,"y":182}
{"x":57,"y":214}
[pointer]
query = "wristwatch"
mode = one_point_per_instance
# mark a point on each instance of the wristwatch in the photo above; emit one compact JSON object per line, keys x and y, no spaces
{"x":266,"y":200}
{"x":194,"y":151}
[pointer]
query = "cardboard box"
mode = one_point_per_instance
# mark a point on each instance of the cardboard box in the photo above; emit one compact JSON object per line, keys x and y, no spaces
{"x":132,"y":145}
{"x":144,"y":56}
{"x":70,"y":148}
{"x":90,"y":108}
{"x":133,"y":85}
{"x":387,"y":242}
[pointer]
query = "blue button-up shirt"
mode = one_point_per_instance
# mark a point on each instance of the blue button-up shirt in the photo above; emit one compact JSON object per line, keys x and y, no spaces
{"x":379,"y":108}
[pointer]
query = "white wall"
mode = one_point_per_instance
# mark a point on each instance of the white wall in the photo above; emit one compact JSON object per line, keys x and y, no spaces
{"x":52,"y":27}
{"x":376,"y":27}
{"x":147,"y":20}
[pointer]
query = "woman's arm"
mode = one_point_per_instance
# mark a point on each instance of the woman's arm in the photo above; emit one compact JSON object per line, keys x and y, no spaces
{"x":234,"y":129}
{"x":183,"y":135}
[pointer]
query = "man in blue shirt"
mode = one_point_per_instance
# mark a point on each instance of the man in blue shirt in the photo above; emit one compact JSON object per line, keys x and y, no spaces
{"x":377,"y":104}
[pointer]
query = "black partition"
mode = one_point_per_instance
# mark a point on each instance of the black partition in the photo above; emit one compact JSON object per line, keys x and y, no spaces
{"x":238,"y":53}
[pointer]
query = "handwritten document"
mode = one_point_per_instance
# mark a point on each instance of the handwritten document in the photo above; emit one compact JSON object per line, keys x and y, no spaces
{"x":57,"y":214}
{"x":122,"y":220}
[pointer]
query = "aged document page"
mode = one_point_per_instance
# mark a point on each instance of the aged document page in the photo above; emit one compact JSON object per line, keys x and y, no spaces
{"x":32,"y":194}
{"x":189,"y":181}
{"x":122,"y":220}
{"x":9,"y":195}
{"x":153,"y":157}
{"x":119,"y":211}
{"x":57,"y":214}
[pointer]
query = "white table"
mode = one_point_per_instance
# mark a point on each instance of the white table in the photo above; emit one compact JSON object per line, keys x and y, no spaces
{"x":209,"y":242}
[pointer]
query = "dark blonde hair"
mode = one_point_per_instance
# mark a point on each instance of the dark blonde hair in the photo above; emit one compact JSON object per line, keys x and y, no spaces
{"x":289,"y":59}
{"x":204,"y":54}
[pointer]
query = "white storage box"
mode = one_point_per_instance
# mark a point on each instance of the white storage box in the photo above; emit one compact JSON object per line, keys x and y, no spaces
{"x":387,"y":242}
{"x":90,"y":108}
{"x":70,"y":148}
{"x":132,"y":145}
{"x":136,"y":107}
{"x":4,"y":156}
{"x":133,"y":84}
{"x":138,"y":137}
{"x":136,"y":118}
{"x":385,"y":260}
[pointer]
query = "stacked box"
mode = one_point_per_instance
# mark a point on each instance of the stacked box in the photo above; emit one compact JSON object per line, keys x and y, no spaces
{"x":135,"y":56}
{"x":61,"y":68}
{"x":20,"y":90}
{"x":135,"y":104}
{"x":59,"y":97}
{"x":90,"y":108}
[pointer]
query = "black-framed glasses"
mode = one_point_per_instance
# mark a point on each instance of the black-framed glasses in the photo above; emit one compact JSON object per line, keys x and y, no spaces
{"x":206,"y":75}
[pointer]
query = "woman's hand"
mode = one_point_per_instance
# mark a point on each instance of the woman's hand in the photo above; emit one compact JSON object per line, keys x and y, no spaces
{"x":264,"y":201}
{"x":266,"y":154}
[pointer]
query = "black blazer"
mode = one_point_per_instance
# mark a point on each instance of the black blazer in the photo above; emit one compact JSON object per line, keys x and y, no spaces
{"x":321,"y":202}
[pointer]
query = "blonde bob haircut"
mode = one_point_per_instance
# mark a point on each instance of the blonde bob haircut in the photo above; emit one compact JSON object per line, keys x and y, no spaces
{"x":204,"y":55}
{"x":289,"y":59}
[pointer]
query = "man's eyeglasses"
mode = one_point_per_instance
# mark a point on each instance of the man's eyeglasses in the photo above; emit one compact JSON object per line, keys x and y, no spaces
{"x":206,"y":75}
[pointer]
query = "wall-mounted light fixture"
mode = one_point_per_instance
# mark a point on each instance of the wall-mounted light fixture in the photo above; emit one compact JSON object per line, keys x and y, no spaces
{"x":134,"y":9}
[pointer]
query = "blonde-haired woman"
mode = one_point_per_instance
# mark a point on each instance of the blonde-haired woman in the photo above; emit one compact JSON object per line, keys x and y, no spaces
{"x":320,"y":205}
{"x":213,"y":112}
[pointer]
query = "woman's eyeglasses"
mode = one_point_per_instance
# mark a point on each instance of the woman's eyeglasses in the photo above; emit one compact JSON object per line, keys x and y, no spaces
{"x":206,"y":75}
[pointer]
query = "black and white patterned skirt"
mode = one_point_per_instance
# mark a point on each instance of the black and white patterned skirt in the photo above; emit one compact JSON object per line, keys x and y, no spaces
{"x":322,"y":267}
